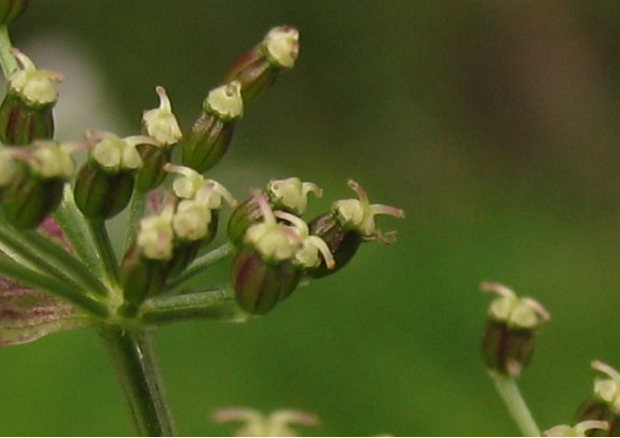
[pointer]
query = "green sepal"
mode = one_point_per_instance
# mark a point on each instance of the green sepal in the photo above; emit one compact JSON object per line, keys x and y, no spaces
{"x":207,"y":142}
{"x":342,"y":243}
{"x":100,"y":194}
{"x":260,"y":285}
{"x":21,"y":124}
{"x":29,"y":199}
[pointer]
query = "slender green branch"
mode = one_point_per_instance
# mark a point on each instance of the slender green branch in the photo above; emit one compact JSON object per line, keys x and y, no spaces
{"x":59,"y":288}
{"x":43,"y":255}
{"x":215,"y":304}
{"x":509,"y":391}
{"x":7,"y":60}
{"x":79,"y":234}
{"x":106,"y":254}
{"x":132,"y":356}
{"x":200,"y":264}
{"x":136,"y":210}
{"x":64,"y":264}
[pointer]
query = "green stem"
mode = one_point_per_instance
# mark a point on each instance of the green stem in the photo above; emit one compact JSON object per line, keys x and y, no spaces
{"x":136,"y":211}
{"x":59,"y":288}
{"x":199,"y":265}
{"x":133,"y":360}
{"x":215,"y":304}
{"x":509,"y":391}
{"x":104,"y":249}
{"x":7,"y":60}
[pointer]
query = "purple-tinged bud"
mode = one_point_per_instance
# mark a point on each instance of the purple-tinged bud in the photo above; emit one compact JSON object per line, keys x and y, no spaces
{"x":512,"y":326}
{"x":36,"y":188}
{"x":258,"y":69}
{"x":212,"y":133}
{"x":288,"y":195}
{"x":11,"y":10}
{"x":26,"y":111}
{"x":161,"y":125}
{"x":263,"y":268}
{"x":585,"y":428}
{"x":105,"y":183}
{"x":604,"y":405}
{"x":350,"y":223}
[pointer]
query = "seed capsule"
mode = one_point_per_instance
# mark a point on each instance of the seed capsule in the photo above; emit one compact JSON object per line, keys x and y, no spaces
{"x":605,"y":402}
{"x":258,"y":69}
{"x":350,"y":223}
{"x":35,"y":189}
{"x":512,"y":326}
{"x":212,"y":133}
{"x":105,"y":183}
{"x":26,"y":111}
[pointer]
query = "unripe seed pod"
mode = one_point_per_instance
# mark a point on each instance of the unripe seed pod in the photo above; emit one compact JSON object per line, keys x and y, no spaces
{"x":100,"y":194}
{"x":105,"y":183}
{"x":258,"y":69}
{"x":11,"y":10}
{"x":154,"y":158}
{"x":141,"y":278}
{"x":604,"y":405}
{"x":26,"y":111}
{"x":260,"y":285}
{"x":512,"y":327}
{"x":351,"y":222}
{"x":36,"y":186}
{"x":342,"y":243}
{"x":263,"y":268}
{"x":212,"y":133}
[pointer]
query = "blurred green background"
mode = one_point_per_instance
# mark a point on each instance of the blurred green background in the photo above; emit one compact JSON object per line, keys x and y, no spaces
{"x":494,"y":123}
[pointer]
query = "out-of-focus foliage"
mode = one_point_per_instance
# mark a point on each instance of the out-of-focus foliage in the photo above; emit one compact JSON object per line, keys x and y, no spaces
{"x":494,"y":124}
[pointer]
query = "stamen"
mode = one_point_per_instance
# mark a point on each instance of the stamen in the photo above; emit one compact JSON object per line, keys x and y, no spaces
{"x":606,"y":369}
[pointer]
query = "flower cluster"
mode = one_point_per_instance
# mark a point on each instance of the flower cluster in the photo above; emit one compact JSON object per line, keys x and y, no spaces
{"x":173,"y":208}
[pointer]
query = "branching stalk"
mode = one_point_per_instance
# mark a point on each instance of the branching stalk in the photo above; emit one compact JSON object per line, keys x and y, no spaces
{"x":200,"y":264}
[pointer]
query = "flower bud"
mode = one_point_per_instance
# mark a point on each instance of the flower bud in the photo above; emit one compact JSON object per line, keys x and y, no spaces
{"x":105,"y":183}
{"x":512,"y":326}
{"x":26,"y":111}
{"x":258,"y":69}
{"x":36,"y":188}
{"x":605,"y":403}
{"x":11,"y":10}
{"x":212,"y":133}
{"x":161,"y":125}
{"x":347,"y":225}
{"x":288,"y":195}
